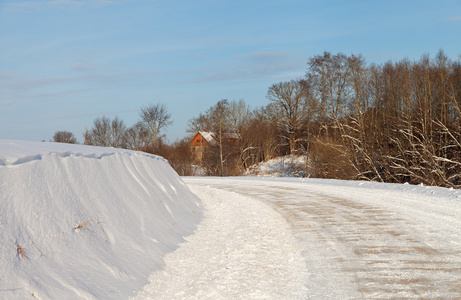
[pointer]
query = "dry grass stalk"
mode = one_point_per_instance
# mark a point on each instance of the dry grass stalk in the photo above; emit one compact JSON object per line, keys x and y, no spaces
{"x":82,"y":225}
{"x":38,"y":248}
{"x":21,"y":252}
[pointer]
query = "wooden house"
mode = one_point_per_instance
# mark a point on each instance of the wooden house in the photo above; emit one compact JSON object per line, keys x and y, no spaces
{"x":205,"y":139}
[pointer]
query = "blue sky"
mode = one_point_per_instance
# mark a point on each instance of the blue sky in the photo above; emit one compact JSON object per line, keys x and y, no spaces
{"x":64,"y":63}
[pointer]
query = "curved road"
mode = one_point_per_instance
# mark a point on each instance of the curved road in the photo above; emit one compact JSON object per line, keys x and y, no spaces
{"x":363,"y":240}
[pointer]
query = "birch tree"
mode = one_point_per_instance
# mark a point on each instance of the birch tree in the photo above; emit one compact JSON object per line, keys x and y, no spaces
{"x":219,"y":119}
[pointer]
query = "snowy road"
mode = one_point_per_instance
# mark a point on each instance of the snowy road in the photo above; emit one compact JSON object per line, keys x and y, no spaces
{"x":242,"y":249}
{"x":366,"y":240}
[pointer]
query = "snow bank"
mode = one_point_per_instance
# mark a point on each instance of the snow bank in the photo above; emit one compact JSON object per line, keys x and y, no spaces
{"x":80,"y":222}
{"x":285,"y":166}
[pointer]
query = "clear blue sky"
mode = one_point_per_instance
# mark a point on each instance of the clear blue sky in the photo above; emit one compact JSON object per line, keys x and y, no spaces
{"x":64,"y":63}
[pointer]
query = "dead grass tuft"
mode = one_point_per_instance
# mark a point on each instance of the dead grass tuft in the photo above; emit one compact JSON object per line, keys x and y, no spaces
{"x":82,"y":225}
{"x":21,"y":252}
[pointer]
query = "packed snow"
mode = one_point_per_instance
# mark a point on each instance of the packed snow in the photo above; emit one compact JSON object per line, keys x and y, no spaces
{"x":243,"y":249}
{"x":365,"y":240}
{"x":101,"y":223}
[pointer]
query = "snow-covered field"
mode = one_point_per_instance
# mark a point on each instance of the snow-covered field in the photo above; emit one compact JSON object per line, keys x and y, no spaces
{"x":81,"y":222}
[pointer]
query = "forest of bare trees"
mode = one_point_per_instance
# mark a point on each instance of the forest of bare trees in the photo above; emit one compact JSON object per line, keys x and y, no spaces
{"x":398,"y":122}
{"x":395,"y":122}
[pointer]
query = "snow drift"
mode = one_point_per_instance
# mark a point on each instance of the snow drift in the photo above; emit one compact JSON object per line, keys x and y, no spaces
{"x":284,"y":166}
{"x":86,"y":222}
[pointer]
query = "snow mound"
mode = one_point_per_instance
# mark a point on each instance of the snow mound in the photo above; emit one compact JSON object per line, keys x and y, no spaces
{"x":80,"y":222}
{"x":285,"y":166}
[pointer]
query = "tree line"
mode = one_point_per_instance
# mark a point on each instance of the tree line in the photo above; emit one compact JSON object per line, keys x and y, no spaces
{"x":394,"y":122}
{"x":146,"y":135}
{"x":397,"y":122}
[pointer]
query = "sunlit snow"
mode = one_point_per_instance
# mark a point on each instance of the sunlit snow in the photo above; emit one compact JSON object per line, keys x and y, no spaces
{"x":79,"y":222}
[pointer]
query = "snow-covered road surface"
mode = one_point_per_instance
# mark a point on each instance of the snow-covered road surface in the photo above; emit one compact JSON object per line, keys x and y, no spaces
{"x":242,"y":249}
{"x":362,"y":240}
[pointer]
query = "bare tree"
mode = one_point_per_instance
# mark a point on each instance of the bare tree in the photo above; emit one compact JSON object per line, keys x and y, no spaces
{"x":106,"y":133}
{"x":239,"y":115}
{"x":327,"y":76}
{"x":355,"y":130}
{"x":259,"y":139}
{"x":219,"y":117}
{"x":290,"y":99}
{"x":136,"y":136}
{"x":200,"y":123}
{"x":64,"y":137}
{"x":155,"y":118}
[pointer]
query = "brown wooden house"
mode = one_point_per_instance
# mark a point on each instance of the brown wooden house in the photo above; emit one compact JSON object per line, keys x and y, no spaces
{"x":201,"y":141}
{"x":205,"y":139}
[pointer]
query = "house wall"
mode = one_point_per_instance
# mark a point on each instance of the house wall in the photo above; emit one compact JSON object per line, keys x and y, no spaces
{"x":199,"y":143}
{"x":197,"y":146}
